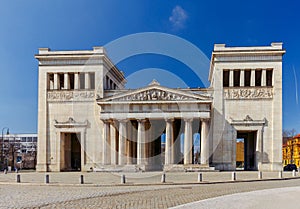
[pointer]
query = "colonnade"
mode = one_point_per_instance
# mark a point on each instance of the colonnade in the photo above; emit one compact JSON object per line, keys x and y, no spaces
{"x":263,"y":81}
{"x":126,"y":143}
{"x":79,"y":83}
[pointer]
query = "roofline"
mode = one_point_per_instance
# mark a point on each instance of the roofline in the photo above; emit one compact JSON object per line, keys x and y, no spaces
{"x":222,"y":50}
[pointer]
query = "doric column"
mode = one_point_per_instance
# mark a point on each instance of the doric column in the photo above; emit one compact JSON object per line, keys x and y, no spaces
{"x":230,"y":78}
{"x":134,"y":141}
{"x":56,"y":81}
{"x":122,"y":141}
{"x":87,"y":81}
{"x":76,"y":81}
{"x":242,"y":78}
{"x":264,"y":77}
{"x":113,"y":143}
{"x":129,"y":144}
{"x":66,"y":81}
{"x":169,"y":141}
{"x":204,"y":142}
{"x":141,"y":141}
{"x":106,"y":143}
{"x":188,"y":141}
{"x":252,"y":80}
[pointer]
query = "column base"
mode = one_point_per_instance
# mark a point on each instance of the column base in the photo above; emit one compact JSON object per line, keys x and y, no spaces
{"x":41,"y":167}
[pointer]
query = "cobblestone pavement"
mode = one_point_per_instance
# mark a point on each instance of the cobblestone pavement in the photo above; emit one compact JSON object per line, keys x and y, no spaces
{"x":95,"y":195}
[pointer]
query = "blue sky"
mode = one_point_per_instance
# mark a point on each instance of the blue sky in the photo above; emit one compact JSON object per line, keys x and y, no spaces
{"x":65,"y":25}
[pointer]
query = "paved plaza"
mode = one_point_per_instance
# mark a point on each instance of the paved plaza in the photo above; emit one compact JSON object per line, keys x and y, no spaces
{"x":141,"y":190}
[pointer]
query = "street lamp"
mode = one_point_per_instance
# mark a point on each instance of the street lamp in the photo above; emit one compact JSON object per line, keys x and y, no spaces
{"x":2,"y":149}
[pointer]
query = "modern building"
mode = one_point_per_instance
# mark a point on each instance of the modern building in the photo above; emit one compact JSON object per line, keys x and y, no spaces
{"x":87,"y":119}
{"x":19,"y":150}
{"x":291,"y":151}
{"x":240,"y":154}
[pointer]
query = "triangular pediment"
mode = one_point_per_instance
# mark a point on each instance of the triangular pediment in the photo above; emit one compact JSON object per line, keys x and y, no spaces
{"x":155,"y":92}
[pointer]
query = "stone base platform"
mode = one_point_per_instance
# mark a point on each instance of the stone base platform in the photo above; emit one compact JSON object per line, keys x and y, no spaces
{"x":154,"y":167}
{"x":188,"y":168}
{"x":127,"y":168}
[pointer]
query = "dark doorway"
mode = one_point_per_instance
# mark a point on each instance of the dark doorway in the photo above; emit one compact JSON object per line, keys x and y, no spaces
{"x":75,"y":153}
{"x":71,"y":155}
{"x":247,"y":140}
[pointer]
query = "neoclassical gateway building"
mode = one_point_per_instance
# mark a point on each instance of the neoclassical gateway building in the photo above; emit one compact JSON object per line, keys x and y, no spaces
{"x":87,"y":120}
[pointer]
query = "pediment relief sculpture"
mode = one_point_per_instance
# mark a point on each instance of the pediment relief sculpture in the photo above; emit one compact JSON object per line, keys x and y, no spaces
{"x":154,"y":95}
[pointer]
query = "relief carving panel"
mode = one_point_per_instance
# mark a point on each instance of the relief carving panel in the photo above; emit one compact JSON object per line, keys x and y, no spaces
{"x":71,"y":96}
{"x":248,"y":93}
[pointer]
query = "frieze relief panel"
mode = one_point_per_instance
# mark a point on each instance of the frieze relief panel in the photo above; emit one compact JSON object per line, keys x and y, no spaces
{"x":248,"y":93}
{"x":154,"y":95}
{"x":54,"y":96}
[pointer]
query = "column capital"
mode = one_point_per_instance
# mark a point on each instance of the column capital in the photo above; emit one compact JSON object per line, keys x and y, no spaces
{"x":204,"y":119}
{"x":123,"y":120}
{"x":188,"y":119}
{"x":169,"y":119}
{"x":141,"y":120}
{"x":107,"y":120}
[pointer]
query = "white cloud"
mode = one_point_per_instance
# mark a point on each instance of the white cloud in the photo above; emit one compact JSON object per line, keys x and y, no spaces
{"x":178,"y":17}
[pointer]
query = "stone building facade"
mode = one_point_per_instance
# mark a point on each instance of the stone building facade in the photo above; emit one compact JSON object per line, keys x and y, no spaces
{"x":87,"y":120}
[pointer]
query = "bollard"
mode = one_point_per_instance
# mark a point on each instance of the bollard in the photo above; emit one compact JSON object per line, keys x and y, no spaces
{"x":18,"y":178}
{"x":123,"y":179}
{"x":163,"y":178}
{"x":81,"y":179}
{"x":199,"y":177}
{"x":233,"y":176}
{"x":260,"y":175}
{"x":47,"y":179}
{"x":280,"y":174}
{"x":294,"y":173}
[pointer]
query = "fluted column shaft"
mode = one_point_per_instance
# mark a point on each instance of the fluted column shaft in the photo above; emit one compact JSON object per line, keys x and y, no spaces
{"x":141,"y":142}
{"x":230,"y":78}
{"x":204,"y":142}
{"x":188,"y":141}
{"x":252,"y":78}
{"x":66,"y":81}
{"x":87,"y":81}
{"x":122,"y":142}
{"x":76,"y":81}
{"x":242,"y":78}
{"x":264,"y":77}
{"x":56,"y":81}
{"x":106,"y":158}
{"x":169,"y":141}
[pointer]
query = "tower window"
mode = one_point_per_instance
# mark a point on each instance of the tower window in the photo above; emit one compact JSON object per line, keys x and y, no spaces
{"x":236,"y":77}
{"x":61,"y":78}
{"x":92,"y":80}
{"x":226,"y":78}
{"x":258,"y":77}
{"x":50,"y":81}
{"x":71,"y":78}
{"x":247,"y":77}
{"x":81,"y":80}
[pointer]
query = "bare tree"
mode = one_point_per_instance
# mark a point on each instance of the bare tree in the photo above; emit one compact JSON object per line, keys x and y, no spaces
{"x":289,"y":132}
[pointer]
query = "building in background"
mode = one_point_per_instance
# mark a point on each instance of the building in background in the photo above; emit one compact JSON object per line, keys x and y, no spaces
{"x":19,"y":151}
{"x":240,"y":154}
{"x":291,"y":151}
